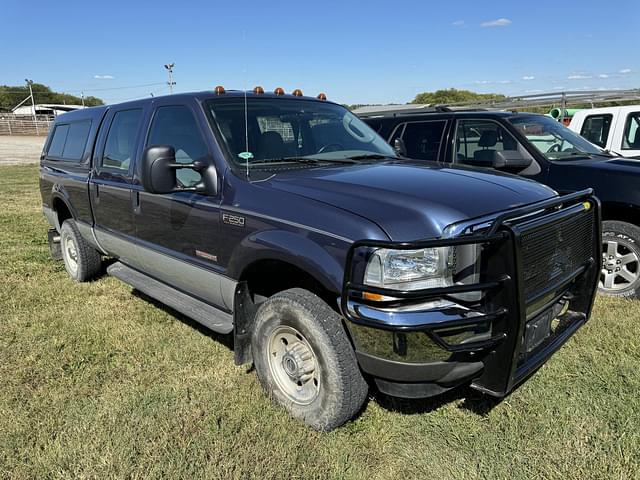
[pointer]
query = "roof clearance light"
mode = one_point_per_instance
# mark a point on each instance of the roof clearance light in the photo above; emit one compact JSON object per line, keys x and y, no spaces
{"x":258,"y":90}
{"x":279,"y":91}
{"x":297,"y":92}
{"x":219,"y":90}
{"x":322,"y":96}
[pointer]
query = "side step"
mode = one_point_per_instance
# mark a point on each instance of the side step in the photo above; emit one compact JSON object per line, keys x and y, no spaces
{"x":201,"y":312}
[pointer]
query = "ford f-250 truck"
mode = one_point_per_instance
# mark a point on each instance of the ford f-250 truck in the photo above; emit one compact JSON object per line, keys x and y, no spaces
{"x":286,"y":222}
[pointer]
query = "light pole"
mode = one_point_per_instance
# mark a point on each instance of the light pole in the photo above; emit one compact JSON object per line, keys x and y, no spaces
{"x":169,"y":67}
{"x":33,"y":104}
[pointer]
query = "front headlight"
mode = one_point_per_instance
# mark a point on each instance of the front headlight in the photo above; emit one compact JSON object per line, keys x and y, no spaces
{"x":410,"y":269}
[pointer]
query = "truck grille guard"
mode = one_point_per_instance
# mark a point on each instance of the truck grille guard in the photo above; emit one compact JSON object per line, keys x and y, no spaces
{"x":502,"y":287}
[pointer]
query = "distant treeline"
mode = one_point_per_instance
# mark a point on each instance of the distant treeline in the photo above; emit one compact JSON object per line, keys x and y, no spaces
{"x":10,"y":96}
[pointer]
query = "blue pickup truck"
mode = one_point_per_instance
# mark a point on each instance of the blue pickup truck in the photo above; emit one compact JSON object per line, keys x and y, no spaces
{"x":336,"y":266}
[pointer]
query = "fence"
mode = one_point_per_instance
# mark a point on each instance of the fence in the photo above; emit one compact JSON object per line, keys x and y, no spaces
{"x":11,"y":124}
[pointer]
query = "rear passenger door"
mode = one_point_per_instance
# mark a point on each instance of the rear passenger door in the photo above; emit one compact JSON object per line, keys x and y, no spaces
{"x":422,"y":139}
{"x":110,"y":186}
{"x":178,"y":234}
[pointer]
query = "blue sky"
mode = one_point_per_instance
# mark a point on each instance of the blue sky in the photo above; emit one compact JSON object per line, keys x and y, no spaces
{"x":358,"y":52}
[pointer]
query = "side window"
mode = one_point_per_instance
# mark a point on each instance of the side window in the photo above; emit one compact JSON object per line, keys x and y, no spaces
{"x":176,"y":126}
{"x":631,"y":136}
{"x":423,"y":139}
{"x":57,"y":142}
{"x":69,"y":141}
{"x":596,"y":129}
{"x":484,"y":143}
{"x":120,"y":146}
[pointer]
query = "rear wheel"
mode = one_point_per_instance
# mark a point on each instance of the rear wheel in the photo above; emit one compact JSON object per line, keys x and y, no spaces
{"x":620,"y":274}
{"x":81,"y":260}
{"x":304,"y":360}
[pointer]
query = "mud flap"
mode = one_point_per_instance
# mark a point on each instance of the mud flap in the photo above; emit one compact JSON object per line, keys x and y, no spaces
{"x":244,"y":315}
{"x":54,"y":244}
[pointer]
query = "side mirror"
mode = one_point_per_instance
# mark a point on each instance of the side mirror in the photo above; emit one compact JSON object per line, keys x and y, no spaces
{"x":507,"y":160}
{"x":158,"y":168}
{"x":400,"y":147}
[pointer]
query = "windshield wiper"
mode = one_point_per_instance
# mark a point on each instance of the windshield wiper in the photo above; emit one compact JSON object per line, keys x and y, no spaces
{"x":311,"y":160}
{"x":368,"y":156}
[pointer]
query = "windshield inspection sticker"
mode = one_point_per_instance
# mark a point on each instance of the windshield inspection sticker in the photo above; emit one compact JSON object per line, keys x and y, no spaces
{"x":246,"y":156}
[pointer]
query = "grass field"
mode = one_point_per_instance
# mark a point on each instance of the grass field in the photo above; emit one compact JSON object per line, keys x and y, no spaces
{"x":98,"y":382}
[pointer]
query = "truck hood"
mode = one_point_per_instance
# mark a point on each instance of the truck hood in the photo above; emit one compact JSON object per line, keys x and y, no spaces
{"x":410,"y":201}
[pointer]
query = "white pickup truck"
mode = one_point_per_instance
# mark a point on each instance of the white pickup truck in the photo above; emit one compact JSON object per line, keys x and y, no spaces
{"x":615,"y":129}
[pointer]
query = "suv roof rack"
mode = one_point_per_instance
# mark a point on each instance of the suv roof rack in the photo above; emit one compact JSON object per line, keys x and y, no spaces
{"x":408,"y":109}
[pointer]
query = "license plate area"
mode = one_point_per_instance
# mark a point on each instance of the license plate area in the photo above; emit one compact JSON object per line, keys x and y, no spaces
{"x":537,"y":331}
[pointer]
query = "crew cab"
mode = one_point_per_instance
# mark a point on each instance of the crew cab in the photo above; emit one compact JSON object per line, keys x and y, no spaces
{"x":615,"y":129}
{"x":286,"y":222}
{"x":536,"y":147}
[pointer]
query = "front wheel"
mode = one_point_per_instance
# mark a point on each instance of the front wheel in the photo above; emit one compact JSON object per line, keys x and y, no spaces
{"x":304,"y":360}
{"x":620,"y":273}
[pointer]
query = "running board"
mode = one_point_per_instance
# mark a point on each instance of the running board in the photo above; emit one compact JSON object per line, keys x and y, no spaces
{"x":209,"y":316}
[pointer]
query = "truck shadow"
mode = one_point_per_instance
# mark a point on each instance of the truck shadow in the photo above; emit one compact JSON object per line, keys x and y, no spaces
{"x":470,"y":400}
{"x":226,"y":340}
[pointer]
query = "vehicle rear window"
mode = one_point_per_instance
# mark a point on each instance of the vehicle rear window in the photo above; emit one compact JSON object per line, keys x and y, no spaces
{"x":69,"y":141}
{"x":631,"y":137}
{"x":596,"y":128}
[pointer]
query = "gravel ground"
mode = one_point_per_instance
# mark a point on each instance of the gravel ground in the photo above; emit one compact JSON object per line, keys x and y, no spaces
{"x":15,"y":150}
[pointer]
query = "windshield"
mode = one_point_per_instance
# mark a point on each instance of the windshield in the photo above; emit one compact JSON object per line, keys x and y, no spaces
{"x":552,"y":139}
{"x":293,"y":130}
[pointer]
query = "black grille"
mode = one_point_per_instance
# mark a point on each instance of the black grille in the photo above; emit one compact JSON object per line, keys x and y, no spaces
{"x":551,"y":253}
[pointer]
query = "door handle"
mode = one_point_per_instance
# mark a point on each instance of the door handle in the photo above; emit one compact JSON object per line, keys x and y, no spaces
{"x":135,"y":200}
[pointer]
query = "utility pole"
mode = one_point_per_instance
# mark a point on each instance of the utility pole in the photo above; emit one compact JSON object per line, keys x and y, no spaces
{"x":82,"y":96}
{"x":171,"y":83}
{"x":33,"y":104}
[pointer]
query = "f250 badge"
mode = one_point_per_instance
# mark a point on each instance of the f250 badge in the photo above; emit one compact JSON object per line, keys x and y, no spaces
{"x":235,"y":220}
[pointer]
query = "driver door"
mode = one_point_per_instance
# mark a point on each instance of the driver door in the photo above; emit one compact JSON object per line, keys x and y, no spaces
{"x":477,"y":141}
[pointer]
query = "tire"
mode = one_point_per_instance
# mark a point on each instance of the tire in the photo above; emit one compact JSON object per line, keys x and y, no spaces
{"x":81,"y":260}
{"x":305,"y":361}
{"x":620,"y":274}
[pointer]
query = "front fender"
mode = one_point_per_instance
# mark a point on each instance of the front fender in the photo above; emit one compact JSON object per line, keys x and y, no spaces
{"x":319,"y":256}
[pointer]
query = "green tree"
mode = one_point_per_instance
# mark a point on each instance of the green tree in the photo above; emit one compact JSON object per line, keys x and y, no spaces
{"x":453,"y":95}
{"x":10,"y":96}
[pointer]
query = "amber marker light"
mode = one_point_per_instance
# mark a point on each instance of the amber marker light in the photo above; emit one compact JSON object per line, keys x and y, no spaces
{"x":258,"y":90}
{"x":374,"y":297}
{"x":322,"y":96}
{"x":219,"y":90}
{"x":297,"y":92}
{"x":279,"y":91}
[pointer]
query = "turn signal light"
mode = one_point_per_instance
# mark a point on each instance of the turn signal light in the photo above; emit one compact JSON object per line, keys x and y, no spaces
{"x":258,"y":90}
{"x":374,"y":297}
{"x":219,"y":90}
{"x":279,"y":91}
{"x":322,"y":96}
{"x":297,"y":92}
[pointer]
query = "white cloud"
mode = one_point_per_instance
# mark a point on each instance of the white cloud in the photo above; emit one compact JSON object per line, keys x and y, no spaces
{"x":458,"y":23}
{"x":624,"y":71}
{"x":579,"y":76}
{"x":500,"y":22}
{"x":483,"y":82}
{"x":528,"y":77}
{"x":603,"y":75}
{"x":534,"y":90}
{"x":104,"y":77}
{"x":504,"y":82}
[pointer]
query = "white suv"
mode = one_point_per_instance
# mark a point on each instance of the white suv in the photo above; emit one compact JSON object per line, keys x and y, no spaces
{"x":615,"y":129}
